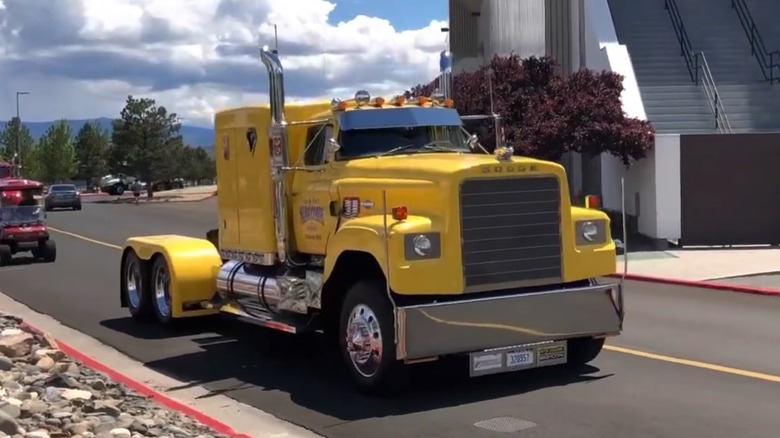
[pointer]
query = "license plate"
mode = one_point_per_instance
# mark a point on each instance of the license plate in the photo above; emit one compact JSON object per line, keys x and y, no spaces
{"x":520,"y":358}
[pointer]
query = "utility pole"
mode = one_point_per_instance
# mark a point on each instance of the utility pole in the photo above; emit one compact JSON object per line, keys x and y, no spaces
{"x":19,"y":132}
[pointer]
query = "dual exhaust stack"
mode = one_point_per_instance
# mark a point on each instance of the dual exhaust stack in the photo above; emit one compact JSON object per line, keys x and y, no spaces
{"x":280,"y":158}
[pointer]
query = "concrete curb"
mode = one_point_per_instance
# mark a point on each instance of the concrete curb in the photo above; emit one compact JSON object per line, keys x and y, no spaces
{"x":704,"y":284}
{"x":139,"y":387}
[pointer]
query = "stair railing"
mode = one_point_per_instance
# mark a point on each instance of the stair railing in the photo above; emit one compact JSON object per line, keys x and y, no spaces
{"x":711,"y":91}
{"x":686,"y":51}
{"x":698,"y":68}
{"x":768,"y":61}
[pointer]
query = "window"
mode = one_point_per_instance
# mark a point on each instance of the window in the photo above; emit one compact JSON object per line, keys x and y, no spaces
{"x":62,"y":188}
{"x":362,"y":143}
{"x":315,"y":145}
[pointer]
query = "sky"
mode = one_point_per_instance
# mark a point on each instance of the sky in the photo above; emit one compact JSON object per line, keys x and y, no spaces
{"x":81,"y":58}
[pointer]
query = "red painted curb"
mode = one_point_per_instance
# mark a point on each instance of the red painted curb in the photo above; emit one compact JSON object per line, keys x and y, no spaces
{"x":755,"y":290}
{"x":140,"y":388}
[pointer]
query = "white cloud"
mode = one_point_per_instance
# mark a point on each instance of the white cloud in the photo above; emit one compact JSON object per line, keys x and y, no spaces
{"x":81,"y":58}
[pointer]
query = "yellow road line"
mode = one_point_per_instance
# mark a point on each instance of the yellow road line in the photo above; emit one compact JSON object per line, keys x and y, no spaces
{"x":695,"y":364}
{"x":614,"y":348}
{"x":85,"y":238}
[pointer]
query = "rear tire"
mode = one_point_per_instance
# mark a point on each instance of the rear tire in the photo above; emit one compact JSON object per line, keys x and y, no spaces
{"x":135,"y":288}
{"x":119,"y":190}
{"x":6,"y":256}
{"x":161,"y":291}
{"x":584,"y":350}
{"x":367,"y":340}
{"x":48,"y":251}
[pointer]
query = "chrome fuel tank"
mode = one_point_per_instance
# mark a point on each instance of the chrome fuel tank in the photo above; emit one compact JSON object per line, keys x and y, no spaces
{"x":239,"y":281}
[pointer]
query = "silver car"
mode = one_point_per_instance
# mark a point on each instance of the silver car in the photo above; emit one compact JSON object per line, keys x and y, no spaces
{"x":63,"y":196}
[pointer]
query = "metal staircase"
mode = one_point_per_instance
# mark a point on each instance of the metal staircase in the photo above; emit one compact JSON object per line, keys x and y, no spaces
{"x":677,"y":88}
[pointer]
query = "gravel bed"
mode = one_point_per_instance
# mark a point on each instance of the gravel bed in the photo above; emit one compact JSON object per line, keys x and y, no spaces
{"x":45,"y":394}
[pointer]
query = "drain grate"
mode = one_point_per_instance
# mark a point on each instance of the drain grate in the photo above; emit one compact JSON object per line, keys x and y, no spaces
{"x":505,"y":424}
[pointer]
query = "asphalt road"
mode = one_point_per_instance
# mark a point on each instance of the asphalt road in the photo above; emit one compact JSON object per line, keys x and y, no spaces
{"x":662,"y":378}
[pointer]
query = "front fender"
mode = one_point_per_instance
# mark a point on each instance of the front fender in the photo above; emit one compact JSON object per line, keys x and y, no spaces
{"x":430,"y":277}
{"x":193,"y":265}
{"x":589,"y":261}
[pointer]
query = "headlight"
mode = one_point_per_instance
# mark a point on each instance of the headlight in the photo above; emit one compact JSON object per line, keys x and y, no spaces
{"x":592,"y":232}
{"x":422,"y":246}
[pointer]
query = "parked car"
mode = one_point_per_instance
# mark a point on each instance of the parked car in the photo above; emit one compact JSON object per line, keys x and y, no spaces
{"x":62,"y":196}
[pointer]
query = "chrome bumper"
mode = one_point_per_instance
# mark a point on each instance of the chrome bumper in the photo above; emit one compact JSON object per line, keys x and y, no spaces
{"x":466,"y":326}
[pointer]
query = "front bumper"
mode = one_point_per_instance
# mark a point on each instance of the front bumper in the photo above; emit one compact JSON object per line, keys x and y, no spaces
{"x":471,"y":325}
{"x":63,"y":203}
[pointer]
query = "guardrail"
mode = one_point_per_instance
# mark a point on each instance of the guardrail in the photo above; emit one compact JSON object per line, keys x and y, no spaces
{"x":768,"y":61}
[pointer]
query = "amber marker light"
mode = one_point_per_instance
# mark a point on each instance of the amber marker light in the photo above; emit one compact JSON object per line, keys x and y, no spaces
{"x":400,"y":213}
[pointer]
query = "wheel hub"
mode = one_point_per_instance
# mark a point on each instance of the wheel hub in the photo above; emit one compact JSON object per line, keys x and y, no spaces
{"x":132,"y":279}
{"x":161,"y":294}
{"x":364,"y":340}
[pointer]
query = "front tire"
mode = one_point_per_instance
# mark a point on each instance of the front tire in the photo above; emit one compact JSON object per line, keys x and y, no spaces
{"x":135,"y":288}
{"x":161,"y":291}
{"x":6,"y":256}
{"x":47,"y":250}
{"x":584,"y":350}
{"x":367,"y":340}
{"x":119,"y":190}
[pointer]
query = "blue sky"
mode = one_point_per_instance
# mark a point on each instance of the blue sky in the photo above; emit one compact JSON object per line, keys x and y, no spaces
{"x":404,"y":14}
{"x":199,"y":57}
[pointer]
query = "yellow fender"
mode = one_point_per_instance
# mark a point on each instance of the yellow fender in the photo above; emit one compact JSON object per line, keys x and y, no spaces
{"x":366,"y":234}
{"x":193,"y":266}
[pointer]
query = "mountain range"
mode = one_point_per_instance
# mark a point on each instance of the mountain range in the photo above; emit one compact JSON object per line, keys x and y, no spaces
{"x":193,"y":135}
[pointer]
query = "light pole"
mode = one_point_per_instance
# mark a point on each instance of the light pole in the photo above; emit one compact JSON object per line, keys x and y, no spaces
{"x":19,"y":131}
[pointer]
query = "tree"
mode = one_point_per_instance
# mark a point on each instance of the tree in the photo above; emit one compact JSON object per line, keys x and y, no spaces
{"x":91,"y":149}
{"x":196,"y":164}
{"x":54,"y":157}
{"x":8,"y":140}
{"x":545,"y":114}
{"x":146,"y":137}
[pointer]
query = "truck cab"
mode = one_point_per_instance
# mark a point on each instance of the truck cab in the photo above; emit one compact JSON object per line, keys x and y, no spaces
{"x":385,"y":225}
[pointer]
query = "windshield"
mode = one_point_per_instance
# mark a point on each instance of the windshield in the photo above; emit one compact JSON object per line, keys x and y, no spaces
{"x":20,"y":215}
{"x":5,"y":172}
{"x":407,"y":140}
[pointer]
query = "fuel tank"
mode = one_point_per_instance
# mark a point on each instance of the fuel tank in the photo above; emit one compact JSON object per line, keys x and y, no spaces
{"x":243,"y":283}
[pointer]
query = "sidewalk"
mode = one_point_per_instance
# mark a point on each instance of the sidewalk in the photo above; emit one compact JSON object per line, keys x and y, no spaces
{"x":703,"y":264}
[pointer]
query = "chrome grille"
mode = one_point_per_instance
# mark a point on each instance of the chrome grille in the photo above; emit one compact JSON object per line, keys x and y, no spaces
{"x":510,"y":232}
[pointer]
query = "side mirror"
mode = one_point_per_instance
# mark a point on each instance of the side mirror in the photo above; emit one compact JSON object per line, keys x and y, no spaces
{"x":331,"y":148}
{"x":473,"y":142}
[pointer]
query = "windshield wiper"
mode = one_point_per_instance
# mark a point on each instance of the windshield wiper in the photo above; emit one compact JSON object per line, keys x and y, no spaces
{"x":436,"y":145}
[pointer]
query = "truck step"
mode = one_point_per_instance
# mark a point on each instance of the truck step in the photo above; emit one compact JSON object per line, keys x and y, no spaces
{"x":261,"y":317}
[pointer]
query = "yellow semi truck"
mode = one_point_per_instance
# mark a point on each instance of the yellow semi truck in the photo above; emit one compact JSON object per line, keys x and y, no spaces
{"x":386,"y":226}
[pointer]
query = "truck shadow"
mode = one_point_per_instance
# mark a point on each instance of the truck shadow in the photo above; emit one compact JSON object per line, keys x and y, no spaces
{"x":298,"y":379}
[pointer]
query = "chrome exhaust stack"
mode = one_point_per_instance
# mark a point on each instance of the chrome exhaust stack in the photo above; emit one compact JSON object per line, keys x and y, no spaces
{"x":280,"y":156}
{"x":445,"y":74}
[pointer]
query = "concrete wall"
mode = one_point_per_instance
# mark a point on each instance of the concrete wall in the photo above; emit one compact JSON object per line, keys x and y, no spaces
{"x":578,"y":33}
{"x":481,"y":30}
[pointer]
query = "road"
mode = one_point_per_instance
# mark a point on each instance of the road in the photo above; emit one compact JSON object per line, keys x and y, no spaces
{"x":693,"y":363}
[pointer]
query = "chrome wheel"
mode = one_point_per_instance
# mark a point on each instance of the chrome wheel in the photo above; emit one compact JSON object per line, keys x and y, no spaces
{"x":162,"y":294}
{"x":364,"y":340}
{"x":132,"y":281}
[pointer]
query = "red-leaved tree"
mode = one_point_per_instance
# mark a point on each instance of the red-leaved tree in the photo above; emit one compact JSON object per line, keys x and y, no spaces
{"x":545,"y":114}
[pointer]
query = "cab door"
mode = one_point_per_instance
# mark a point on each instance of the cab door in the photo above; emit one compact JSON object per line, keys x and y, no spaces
{"x":312,"y":222}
